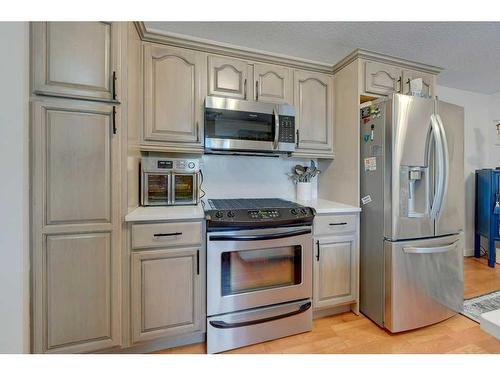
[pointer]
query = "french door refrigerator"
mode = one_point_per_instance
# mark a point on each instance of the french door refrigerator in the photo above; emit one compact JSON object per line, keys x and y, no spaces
{"x":412,"y":219}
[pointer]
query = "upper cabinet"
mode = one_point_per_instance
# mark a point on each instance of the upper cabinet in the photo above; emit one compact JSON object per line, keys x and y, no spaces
{"x":228,"y":77}
{"x":428,"y":81}
{"x":382,"y":79}
{"x":273,"y":83}
{"x":75,"y":59}
{"x":313,"y":100}
{"x":173,"y":96}
{"x":385,"y":79}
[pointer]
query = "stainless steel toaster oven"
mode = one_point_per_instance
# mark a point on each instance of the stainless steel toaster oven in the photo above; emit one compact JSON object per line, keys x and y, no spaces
{"x":169,"y":181}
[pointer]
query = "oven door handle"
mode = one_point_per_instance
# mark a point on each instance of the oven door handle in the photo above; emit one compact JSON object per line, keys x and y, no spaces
{"x":259,"y":237}
{"x":222,"y":324}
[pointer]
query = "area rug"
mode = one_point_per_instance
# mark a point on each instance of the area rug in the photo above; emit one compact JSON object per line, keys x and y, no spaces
{"x":474,"y":307}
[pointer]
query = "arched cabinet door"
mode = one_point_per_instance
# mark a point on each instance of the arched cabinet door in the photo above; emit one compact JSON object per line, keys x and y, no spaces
{"x":273,"y":84}
{"x":382,"y":79}
{"x":173,"y":98}
{"x":228,"y":78}
{"x":427,"y":82}
{"x":314,"y":112}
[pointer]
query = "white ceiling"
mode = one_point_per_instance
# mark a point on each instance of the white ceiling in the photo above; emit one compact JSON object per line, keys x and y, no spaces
{"x":468,"y":51}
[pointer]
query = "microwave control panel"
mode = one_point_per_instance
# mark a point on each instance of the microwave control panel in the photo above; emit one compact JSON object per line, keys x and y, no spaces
{"x":286,"y":129}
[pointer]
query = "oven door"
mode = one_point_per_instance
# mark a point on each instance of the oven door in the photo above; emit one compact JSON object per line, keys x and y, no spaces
{"x":155,"y":189}
{"x":253,"y":268}
{"x":184,"y":188}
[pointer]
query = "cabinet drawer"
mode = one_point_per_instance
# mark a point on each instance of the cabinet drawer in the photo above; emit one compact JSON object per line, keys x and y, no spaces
{"x":166,"y":234}
{"x":334,"y":224}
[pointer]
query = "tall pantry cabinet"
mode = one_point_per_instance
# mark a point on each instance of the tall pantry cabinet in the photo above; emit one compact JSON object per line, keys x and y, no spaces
{"x":75,"y":132}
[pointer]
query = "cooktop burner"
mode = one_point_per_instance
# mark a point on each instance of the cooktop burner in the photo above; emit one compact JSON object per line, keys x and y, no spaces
{"x":256,"y":213}
{"x":257,"y":203}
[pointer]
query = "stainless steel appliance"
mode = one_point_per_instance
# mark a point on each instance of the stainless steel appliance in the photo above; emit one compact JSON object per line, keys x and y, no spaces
{"x":241,"y":126}
{"x":166,"y":182}
{"x":259,"y":271}
{"x":412,"y":219}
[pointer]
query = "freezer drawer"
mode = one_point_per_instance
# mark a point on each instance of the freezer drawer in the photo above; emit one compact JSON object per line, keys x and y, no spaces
{"x":423,"y":281}
{"x":229,"y":331}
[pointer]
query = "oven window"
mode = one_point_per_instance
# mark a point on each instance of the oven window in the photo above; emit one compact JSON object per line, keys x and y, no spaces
{"x":246,"y":126}
{"x":157,"y":188}
{"x":184,"y":187}
{"x":253,"y":270}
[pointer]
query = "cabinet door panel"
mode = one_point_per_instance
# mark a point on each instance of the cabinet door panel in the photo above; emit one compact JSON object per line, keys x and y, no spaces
{"x":334,"y":272}
{"x":172,"y":95}
{"x":382,"y":79}
{"x":427,"y":82}
{"x":78,"y":288}
{"x":76,"y":227}
{"x":78,"y":163}
{"x":166,"y":293}
{"x":227,"y":77}
{"x":314,"y":106}
{"x":273,"y":83}
{"x":74,"y":58}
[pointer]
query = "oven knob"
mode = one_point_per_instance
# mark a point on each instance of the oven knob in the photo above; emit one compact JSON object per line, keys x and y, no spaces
{"x":191,"y":165}
{"x":230,"y":214}
{"x":219,"y":214}
{"x":303,"y":211}
{"x":293,"y":211}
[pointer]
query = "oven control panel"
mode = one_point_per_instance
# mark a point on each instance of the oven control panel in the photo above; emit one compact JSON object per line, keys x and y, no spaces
{"x":271,"y":216}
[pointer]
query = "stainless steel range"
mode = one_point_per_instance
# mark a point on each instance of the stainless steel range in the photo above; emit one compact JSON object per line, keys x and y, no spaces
{"x":259,"y":271}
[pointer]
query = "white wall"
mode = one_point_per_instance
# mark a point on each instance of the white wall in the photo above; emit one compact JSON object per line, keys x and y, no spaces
{"x":477,"y":146}
{"x":235,"y":176}
{"x":14,"y":238}
{"x":494,"y":151}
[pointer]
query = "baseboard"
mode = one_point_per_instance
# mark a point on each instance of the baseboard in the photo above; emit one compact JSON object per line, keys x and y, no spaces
{"x":331,"y":311}
{"x":160,"y":344}
{"x":468,"y":252}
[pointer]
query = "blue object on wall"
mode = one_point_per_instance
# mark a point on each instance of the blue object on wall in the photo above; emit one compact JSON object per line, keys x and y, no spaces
{"x":487,"y":212}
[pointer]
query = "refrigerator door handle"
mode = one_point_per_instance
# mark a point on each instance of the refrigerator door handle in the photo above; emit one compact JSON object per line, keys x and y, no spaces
{"x":430,"y":250}
{"x":439,"y":193}
{"x":446,"y":161}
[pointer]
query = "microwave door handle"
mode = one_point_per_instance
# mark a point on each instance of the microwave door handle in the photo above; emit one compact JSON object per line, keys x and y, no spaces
{"x":276,"y":127}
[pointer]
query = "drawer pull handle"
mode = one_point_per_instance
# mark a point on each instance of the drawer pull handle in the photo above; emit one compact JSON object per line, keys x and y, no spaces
{"x":167,"y":234}
{"x":343,"y":223}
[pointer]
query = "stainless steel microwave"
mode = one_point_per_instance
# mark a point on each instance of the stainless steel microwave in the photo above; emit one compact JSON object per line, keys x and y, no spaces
{"x":168,"y":182}
{"x":246,"y":126}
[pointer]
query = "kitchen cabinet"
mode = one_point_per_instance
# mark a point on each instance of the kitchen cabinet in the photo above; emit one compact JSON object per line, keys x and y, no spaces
{"x":313,"y":101}
{"x":75,"y":59}
{"x":385,"y":79}
{"x":336,"y":260}
{"x":173,"y":96}
{"x":382,"y":79}
{"x":273,"y":83}
{"x":167,"y":293}
{"x":334,"y":271}
{"x":228,"y":77}
{"x":427,"y":81}
{"x":76,"y":226}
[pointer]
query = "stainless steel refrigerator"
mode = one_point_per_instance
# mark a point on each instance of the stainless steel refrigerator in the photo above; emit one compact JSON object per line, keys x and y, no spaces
{"x":412,"y":219}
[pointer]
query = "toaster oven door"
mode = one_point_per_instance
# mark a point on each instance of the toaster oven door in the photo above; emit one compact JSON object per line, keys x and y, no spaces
{"x":184,"y":188}
{"x":156,"y":189}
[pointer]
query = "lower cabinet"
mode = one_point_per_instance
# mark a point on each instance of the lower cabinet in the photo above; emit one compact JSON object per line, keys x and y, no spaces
{"x":336,"y":261}
{"x":167,"y":293}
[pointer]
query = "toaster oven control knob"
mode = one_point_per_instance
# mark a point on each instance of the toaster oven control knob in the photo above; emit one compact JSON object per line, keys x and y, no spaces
{"x":191,"y":165}
{"x":219,"y":214}
{"x":294,"y":211}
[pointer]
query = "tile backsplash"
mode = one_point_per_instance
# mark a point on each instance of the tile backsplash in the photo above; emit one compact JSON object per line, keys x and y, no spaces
{"x":238,"y":176}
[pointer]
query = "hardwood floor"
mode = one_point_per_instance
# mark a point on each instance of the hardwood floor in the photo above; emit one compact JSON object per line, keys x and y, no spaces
{"x":348,"y":333}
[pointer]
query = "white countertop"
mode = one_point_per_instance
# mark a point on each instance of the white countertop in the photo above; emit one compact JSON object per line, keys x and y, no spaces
{"x":166,"y":213}
{"x":323,"y":206}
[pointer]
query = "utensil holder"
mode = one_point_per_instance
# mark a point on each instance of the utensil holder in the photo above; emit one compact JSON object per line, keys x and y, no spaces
{"x":304,"y":191}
